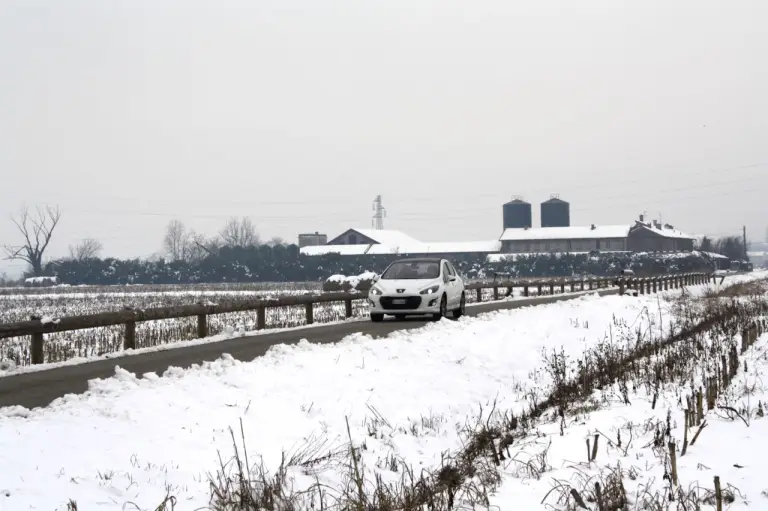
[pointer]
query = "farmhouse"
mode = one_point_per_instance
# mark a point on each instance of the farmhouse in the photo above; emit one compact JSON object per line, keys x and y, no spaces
{"x":356,"y":242}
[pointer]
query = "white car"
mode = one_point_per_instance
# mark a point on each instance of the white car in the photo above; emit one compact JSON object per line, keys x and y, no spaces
{"x":418,"y":286}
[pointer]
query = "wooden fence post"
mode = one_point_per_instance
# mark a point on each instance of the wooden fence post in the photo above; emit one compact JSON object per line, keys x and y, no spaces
{"x":539,"y":289}
{"x":479,"y":295}
{"x":653,"y":280}
{"x":310,"y":313}
{"x":129,"y":342}
{"x":525,"y":290}
{"x":562,"y":287}
{"x":202,"y":326}
{"x":36,"y":347}
{"x":348,"y":308}
{"x":621,"y":287}
{"x":261,"y":317}
{"x":495,"y":293}
{"x":551,"y":289}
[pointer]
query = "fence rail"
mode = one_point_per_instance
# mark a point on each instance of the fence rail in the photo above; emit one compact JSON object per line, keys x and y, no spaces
{"x":36,"y":327}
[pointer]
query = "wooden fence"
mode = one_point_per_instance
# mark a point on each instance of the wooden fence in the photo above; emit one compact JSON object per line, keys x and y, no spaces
{"x":36,"y":327}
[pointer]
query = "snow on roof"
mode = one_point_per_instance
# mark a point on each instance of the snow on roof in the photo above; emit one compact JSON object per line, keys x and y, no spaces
{"x":415,"y":247}
{"x":566,"y":233}
{"x":713,"y":255}
{"x":665,"y":231}
{"x":388,"y":237}
{"x":316,"y":250}
{"x":444,"y":247}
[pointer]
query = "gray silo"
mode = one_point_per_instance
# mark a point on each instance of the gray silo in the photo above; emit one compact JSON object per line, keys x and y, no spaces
{"x":517,"y":214}
{"x":555,"y":213}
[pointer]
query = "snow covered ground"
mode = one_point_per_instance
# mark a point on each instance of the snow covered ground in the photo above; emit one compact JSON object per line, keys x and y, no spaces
{"x":731,"y":446}
{"x":139,"y":438}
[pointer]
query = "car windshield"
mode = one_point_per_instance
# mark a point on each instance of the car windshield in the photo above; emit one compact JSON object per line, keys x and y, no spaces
{"x":412,"y":270}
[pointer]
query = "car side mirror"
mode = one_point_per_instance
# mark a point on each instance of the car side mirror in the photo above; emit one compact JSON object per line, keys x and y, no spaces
{"x":452,"y":279}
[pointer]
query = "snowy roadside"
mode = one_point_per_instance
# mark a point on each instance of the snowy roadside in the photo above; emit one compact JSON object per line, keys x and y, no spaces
{"x":7,"y":368}
{"x":407,"y":396}
{"x":635,"y":439}
{"x":403,"y":402}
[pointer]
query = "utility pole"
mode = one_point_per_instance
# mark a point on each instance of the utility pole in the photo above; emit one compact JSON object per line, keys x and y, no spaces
{"x":744,"y":240}
{"x":379,"y":214}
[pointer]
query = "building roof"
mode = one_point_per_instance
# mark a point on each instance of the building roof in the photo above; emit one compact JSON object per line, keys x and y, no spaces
{"x":665,"y":231}
{"x":385,"y":236}
{"x":430,"y":247}
{"x":350,"y":250}
{"x":417,"y":247}
{"x":566,"y":233}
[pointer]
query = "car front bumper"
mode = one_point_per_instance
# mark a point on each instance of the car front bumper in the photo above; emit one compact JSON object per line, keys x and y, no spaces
{"x":400,"y":304}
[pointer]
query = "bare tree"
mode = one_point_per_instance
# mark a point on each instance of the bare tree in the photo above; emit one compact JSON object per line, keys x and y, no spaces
{"x":176,"y":241}
{"x":88,"y":248}
{"x":201,"y":246}
{"x":276,"y":240}
{"x":239,"y":233}
{"x":37,"y":231}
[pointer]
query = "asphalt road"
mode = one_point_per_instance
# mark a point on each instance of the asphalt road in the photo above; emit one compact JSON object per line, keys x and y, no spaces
{"x":40,"y":388}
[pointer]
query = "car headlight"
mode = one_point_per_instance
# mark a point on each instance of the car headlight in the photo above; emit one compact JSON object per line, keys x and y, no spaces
{"x":431,"y":290}
{"x":376,"y":291}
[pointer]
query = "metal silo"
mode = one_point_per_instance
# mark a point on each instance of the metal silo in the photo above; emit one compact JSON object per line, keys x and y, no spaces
{"x":555,"y":213}
{"x":517,"y":214}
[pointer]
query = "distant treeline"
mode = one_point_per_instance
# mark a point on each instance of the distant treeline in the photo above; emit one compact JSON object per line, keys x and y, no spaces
{"x":283,"y":263}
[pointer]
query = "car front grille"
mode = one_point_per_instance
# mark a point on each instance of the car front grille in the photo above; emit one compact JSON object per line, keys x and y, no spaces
{"x":411,"y":302}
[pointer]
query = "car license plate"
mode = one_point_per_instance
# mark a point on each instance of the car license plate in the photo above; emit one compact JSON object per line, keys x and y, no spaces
{"x":398,"y":301}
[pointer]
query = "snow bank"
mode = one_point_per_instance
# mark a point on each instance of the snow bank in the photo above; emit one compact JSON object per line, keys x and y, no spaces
{"x":130,"y":437}
{"x":360,"y":282}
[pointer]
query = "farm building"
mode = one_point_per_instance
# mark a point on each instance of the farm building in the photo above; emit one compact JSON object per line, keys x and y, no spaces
{"x":640,"y":237}
{"x":309,"y":240}
{"x":355,"y":242}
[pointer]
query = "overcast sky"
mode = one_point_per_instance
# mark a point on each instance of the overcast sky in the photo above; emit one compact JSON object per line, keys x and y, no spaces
{"x":298,"y":113}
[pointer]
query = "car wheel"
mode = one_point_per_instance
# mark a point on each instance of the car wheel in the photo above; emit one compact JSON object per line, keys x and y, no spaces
{"x":399,"y":317}
{"x":462,"y":307}
{"x":376,"y":317}
{"x":443,"y":309}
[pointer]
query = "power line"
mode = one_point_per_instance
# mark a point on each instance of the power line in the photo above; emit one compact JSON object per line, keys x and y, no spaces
{"x":581,"y":185}
{"x":470,"y":210}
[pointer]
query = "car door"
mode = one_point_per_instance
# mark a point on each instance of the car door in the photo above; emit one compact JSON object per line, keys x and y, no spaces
{"x":458,"y":284}
{"x":449,"y":277}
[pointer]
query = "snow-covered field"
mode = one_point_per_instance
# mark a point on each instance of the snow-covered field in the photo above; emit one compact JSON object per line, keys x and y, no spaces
{"x":411,"y":396}
{"x":104,"y":341}
{"x":94,"y":342}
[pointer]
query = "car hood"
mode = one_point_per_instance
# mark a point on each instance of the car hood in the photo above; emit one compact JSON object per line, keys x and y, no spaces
{"x":410,"y":285}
